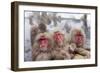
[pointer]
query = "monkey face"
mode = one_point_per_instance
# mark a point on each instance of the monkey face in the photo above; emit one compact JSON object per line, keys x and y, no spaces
{"x":43,"y":42}
{"x":78,"y":38}
{"x":58,"y":37}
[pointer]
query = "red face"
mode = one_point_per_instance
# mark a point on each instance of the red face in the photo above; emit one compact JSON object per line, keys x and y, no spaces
{"x":79,"y":39}
{"x":43,"y":42}
{"x":58,"y":37}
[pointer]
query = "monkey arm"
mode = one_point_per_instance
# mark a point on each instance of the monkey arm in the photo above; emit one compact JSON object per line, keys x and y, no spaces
{"x":42,"y":56}
{"x":83,"y":52}
{"x":35,"y":52}
{"x":78,"y":56}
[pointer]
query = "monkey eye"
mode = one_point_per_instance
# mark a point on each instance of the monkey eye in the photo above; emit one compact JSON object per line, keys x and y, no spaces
{"x":58,"y":34}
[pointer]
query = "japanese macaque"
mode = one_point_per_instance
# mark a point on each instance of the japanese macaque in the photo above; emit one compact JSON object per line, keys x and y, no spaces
{"x":42,"y":47}
{"x":60,"y":49}
{"x":78,"y":38}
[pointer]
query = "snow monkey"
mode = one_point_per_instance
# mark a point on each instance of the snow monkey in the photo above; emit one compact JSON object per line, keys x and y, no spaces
{"x":42,"y":47}
{"x":60,"y":51}
{"x":78,"y":37}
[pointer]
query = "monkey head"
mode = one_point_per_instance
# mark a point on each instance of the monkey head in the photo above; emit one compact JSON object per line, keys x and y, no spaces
{"x":78,"y":37}
{"x":58,"y":37}
{"x":43,"y":41}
